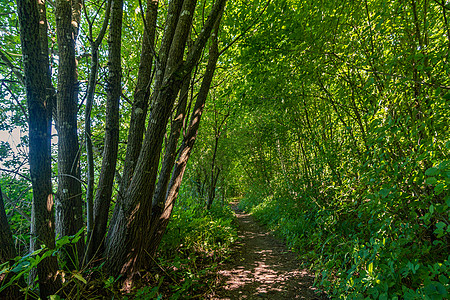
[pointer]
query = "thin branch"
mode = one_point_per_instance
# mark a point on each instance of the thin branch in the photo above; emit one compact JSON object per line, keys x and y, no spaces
{"x":73,"y":177}
{"x":152,"y":48}
{"x":246,"y":30}
{"x":14,"y":205}
{"x":101,"y":34}
{"x":442,"y":4}
{"x":15,"y":70}
{"x":24,"y":111}
{"x":15,"y":172}
{"x":445,"y":87}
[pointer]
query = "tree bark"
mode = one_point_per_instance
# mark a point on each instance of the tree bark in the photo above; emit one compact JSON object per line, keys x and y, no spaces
{"x":114,"y":91}
{"x":141,"y":97}
{"x":69,"y":207}
{"x":158,"y":228}
{"x":95,"y":44}
{"x":43,"y":28}
{"x":142,"y":186}
{"x":39,"y":112}
{"x":171,"y":150}
{"x":132,"y":227}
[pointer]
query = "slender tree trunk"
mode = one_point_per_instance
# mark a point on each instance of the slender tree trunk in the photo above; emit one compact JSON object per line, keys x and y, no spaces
{"x":171,"y":150}
{"x":172,"y":19}
{"x":39,"y":113}
{"x":158,"y":228}
{"x":132,"y":227}
{"x":142,"y":186}
{"x":7,"y":253}
{"x":69,"y":207}
{"x":214,"y":175}
{"x":215,"y":171}
{"x":212,"y":192}
{"x":95,"y":44}
{"x":114,"y":91}
{"x":141,"y":97}
{"x":43,"y":36}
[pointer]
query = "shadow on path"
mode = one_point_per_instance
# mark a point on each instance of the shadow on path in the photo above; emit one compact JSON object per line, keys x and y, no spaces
{"x":262,"y":268}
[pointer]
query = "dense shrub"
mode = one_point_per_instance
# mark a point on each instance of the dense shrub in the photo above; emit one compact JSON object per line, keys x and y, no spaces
{"x":380,"y":242}
{"x":195,"y":230}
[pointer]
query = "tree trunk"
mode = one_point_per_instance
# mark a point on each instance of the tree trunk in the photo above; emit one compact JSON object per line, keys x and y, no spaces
{"x":142,"y":186}
{"x":39,"y":113}
{"x":215,"y":171}
{"x":114,"y":91}
{"x":7,"y":253}
{"x":95,"y":44}
{"x":141,"y":98}
{"x":158,"y":228}
{"x":69,"y":207}
{"x":171,"y":150}
{"x":128,"y":240}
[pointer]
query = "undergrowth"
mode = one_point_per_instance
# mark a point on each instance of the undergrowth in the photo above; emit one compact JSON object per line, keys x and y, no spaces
{"x":372,"y":237}
{"x":197,"y":240}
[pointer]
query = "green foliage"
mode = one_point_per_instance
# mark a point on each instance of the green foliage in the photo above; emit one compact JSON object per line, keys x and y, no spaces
{"x":376,"y":247}
{"x":197,"y":240}
{"x":346,"y":148}
{"x":194,"y":230}
{"x":17,"y":198}
{"x":337,"y":131}
{"x":19,"y":270}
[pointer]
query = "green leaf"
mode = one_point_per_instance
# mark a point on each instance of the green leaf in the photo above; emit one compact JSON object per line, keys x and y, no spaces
{"x":62,"y":241}
{"x":438,"y":189}
{"x":20,"y":266}
{"x":440,"y":226}
{"x":432,"y":171}
{"x":80,"y":278}
{"x":431,"y":180}
{"x":443,"y":279}
{"x":384,"y":193}
{"x":435,"y":290}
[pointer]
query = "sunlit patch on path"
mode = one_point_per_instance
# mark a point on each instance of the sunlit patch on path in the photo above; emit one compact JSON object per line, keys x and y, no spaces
{"x":262,"y":268}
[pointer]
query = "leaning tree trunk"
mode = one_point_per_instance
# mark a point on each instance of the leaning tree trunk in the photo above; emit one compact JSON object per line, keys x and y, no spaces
{"x":132,"y":254}
{"x":170,"y":152}
{"x":114,"y":91}
{"x":158,"y":228}
{"x":142,"y":91}
{"x":141,"y":96}
{"x":39,"y":115}
{"x":141,"y":102}
{"x":7,"y":253}
{"x":128,"y":241}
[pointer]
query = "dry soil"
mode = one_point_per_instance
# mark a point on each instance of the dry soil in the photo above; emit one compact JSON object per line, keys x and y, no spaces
{"x":262,"y":268}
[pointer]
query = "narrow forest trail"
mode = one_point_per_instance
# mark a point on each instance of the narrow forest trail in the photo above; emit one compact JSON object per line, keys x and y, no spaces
{"x":262,"y":267}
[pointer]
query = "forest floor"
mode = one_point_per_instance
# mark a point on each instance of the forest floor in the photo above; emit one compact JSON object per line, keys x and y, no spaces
{"x":261,"y":267}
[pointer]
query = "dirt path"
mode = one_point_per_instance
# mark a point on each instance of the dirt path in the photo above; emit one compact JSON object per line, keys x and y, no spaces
{"x":262,"y":268}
